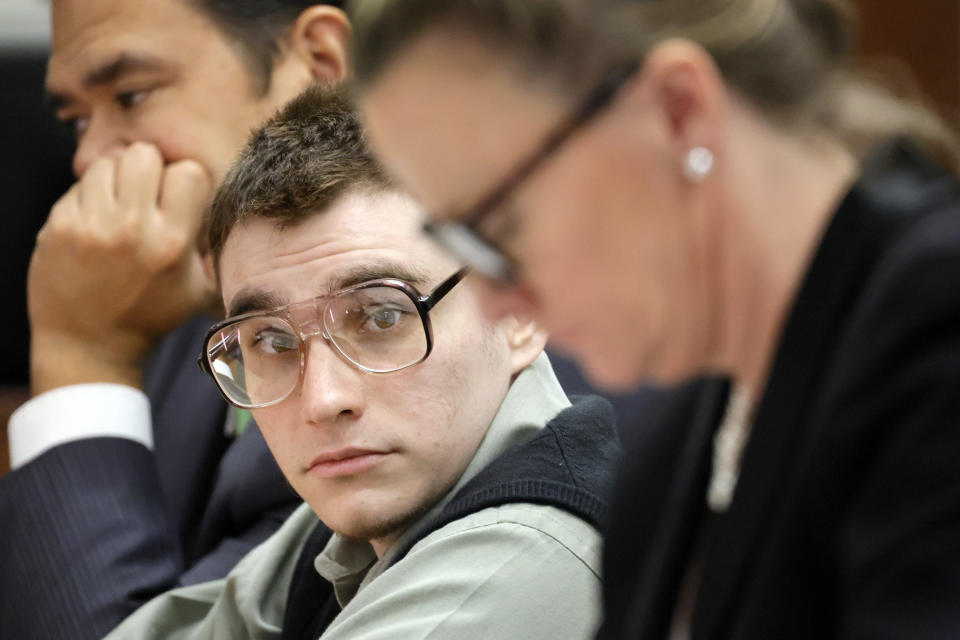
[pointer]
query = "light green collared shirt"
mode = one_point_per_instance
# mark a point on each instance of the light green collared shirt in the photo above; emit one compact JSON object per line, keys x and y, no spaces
{"x":515,"y":571}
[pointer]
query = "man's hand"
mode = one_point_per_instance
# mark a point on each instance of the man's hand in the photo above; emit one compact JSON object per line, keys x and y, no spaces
{"x":115,"y":268}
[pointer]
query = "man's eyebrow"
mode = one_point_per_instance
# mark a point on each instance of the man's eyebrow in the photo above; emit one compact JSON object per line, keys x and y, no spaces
{"x":109,"y":72}
{"x":252,"y":300}
{"x":379,"y":271}
{"x":256,"y":300}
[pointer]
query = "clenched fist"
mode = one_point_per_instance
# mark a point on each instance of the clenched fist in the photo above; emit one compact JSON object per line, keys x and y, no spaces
{"x":115,"y":268}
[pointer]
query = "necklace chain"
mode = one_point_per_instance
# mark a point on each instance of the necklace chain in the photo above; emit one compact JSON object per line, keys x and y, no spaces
{"x":728,"y":444}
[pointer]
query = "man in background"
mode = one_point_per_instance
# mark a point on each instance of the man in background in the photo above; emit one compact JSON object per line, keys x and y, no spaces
{"x":100,"y":514}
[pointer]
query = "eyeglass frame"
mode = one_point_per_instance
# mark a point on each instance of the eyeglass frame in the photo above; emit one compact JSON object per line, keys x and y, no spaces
{"x":462,"y":237}
{"x":423,"y":304}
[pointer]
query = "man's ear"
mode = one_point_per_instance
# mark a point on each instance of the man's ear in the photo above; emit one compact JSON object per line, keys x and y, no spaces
{"x":320,"y":40}
{"x":210,"y":272}
{"x":525,"y":339}
{"x":209,"y":269}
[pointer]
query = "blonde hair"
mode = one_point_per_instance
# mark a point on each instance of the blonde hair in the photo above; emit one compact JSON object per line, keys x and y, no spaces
{"x":791,"y":59}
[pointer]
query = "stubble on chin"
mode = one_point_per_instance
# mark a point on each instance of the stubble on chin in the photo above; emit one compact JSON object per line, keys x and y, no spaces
{"x":379,"y":526}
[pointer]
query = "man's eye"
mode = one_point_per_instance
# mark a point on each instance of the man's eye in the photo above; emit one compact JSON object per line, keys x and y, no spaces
{"x":274,"y":342}
{"x":382,"y":318}
{"x":130,"y":99}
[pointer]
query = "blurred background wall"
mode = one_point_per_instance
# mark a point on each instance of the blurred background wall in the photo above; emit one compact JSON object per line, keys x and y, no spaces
{"x":34,"y":167}
{"x":919,"y":39}
{"x":34,"y":171}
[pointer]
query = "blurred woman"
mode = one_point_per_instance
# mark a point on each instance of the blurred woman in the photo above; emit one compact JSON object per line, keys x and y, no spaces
{"x":680,"y":188}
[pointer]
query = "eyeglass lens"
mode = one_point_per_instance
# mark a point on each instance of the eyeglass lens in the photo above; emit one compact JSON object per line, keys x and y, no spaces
{"x":256,"y":361}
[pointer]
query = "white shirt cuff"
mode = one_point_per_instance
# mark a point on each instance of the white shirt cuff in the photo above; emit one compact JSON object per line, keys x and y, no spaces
{"x":78,"y":412}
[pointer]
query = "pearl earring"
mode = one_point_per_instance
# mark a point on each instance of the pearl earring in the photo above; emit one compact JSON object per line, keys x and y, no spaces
{"x":698,"y":164}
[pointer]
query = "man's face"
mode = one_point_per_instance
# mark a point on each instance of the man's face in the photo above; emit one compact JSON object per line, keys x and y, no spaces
{"x":402,"y":439}
{"x":156,"y":71}
{"x":609,"y":253}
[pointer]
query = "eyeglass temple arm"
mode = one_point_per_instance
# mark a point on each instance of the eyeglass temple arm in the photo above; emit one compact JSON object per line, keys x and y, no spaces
{"x":598,"y":99}
{"x":444,"y":288}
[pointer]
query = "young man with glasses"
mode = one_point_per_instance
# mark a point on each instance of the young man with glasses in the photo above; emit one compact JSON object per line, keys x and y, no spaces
{"x":457,"y":489}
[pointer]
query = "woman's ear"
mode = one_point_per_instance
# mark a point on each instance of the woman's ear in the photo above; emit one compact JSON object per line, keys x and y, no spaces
{"x":676,"y":103}
{"x":320,"y":40}
{"x":525,"y":339}
{"x":685,"y":85}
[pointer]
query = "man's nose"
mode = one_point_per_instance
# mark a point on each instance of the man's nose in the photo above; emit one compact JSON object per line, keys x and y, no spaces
{"x":100,"y":139}
{"x":331,"y":389}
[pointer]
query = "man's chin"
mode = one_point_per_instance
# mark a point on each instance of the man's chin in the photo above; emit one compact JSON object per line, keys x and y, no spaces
{"x":372,"y":526}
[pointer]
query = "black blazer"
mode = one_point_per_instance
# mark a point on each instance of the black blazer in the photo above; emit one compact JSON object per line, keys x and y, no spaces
{"x":92,"y":529}
{"x":846,"y":519}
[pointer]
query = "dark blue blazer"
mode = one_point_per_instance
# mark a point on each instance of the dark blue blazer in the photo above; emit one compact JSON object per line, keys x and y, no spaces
{"x":92,"y":529}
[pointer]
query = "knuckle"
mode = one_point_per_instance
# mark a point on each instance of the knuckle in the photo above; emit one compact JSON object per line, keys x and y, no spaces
{"x":142,"y":154}
{"x":176,"y":244}
{"x":123,"y":238}
{"x":54,"y":228}
{"x":58,"y":229}
{"x":167,"y":249}
{"x":98,"y":167}
{"x":118,"y":240}
{"x":61,"y":209}
{"x":43,"y":235}
{"x":86,"y":243}
{"x":188,"y":172}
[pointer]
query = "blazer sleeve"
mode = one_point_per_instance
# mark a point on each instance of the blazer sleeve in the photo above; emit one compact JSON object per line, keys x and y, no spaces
{"x":94,"y":528}
{"x":86,"y":540}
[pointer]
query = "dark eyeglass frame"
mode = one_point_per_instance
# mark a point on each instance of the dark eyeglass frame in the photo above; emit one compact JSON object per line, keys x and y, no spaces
{"x":462,"y":238}
{"x":423,"y":304}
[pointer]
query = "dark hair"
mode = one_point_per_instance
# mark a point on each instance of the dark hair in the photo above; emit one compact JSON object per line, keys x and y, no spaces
{"x":299,"y":163}
{"x":792,"y":59}
{"x":256,"y":28}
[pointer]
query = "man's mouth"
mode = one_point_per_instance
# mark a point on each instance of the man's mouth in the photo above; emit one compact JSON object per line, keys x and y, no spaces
{"x":345,"y":462}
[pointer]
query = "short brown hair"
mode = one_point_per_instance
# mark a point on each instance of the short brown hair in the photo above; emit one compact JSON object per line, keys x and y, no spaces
{"x":299,"y":163}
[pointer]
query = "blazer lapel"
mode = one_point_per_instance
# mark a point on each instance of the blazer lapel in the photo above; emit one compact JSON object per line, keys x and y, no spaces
{"x":668,"y":548}
{"x":784,"y":428}
{"x":739,"y":533}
